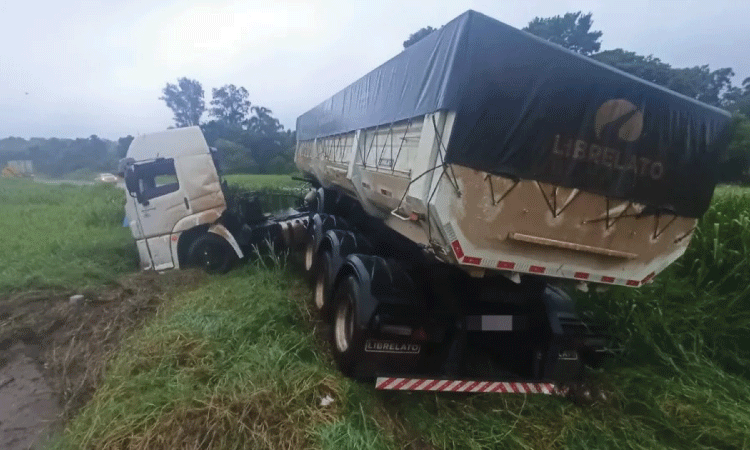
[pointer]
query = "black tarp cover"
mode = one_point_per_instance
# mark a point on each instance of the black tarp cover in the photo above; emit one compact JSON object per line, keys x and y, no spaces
{"x":529,"y":109}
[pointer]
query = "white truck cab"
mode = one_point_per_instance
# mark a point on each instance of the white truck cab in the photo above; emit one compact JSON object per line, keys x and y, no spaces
{"x":174,"y":202}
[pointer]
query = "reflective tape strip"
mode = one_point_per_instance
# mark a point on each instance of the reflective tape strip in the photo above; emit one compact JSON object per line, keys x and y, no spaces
{"x":409,"y":385}
{"x":400,"y":384}
{"x":490,"y":387}
{"x":503,"y":387}
{"x":472,"y":260}
{"x":450,"y":386}
{"x":383,"y":383}
{"x":457,"y":249}
{"x":439,"y":385}
{"x":479,"y":387}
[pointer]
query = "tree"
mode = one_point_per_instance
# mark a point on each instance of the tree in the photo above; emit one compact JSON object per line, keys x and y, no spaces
{"x":217,"y":129}
{"x":185,"y":99}
{"x":263,"y":123}
{"x":122,"y":145}
{"x":418,"y":36}
{"x":738,"y":99}
{"x":230,"y":104}
{"x":734,"y":165}
{"x":235,"y":158}
{"x":699,"y":82}
{"x":571,"y":31}
{"x":263,"y":137}
{"x":647,"y":68}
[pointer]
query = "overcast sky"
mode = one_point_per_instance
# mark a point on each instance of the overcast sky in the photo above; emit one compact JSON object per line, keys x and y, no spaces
{"x":75,"y":68}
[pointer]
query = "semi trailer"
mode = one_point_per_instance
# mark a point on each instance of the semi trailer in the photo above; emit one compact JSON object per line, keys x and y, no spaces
{"x":464,"y":181}
{"x":461,"y":187}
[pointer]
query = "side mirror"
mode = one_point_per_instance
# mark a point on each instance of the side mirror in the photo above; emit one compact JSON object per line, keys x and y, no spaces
{"x":131,"y":184}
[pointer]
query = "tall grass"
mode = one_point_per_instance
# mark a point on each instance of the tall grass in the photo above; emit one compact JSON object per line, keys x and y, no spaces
{"x":231,"y":365}
{"x":61,"y":236}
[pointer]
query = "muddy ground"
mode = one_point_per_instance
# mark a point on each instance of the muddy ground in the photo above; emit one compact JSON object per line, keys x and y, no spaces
{"x":54,"y":348}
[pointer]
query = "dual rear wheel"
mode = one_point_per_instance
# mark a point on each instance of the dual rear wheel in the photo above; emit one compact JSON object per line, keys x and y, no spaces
{"x":338,"y":308}
{"x":346,"y":337}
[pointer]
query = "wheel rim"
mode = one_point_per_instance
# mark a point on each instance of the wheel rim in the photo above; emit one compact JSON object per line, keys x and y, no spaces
{"x":320,"y":284}
{"x":309,"y":252}
{"x":343,"y":326}
{"x":211,"y":256}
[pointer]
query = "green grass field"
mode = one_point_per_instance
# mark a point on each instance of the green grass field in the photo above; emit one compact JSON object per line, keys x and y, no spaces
{"x":61,"y":236}
{"x":255,"y":182}
{"x":239,"y":363}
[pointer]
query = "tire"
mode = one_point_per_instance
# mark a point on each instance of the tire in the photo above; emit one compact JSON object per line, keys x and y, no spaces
{"x":212,"y":253}
{"x":346,"y":338}
{"x":310,"y":255}
{"x":322,"y":290}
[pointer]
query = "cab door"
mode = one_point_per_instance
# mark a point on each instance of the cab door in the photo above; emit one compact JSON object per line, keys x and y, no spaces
{"x":159,"y":204}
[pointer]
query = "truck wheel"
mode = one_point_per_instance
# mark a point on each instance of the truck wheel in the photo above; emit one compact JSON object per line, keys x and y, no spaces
{"x":345,"y":335}
{"x":310,"y":255}
{"x":211,"y":253}
{"x":322,"y":284}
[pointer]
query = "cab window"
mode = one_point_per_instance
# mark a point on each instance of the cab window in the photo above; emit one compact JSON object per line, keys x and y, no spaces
{"x":157,"y":178}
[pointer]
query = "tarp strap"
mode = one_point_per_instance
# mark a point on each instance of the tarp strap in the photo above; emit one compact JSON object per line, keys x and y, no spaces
{"x":401,"y":145}
{"x":441,"y":148}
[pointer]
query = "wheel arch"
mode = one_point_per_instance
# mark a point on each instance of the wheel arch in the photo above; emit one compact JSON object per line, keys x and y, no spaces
{"x":220,"y":230}
{"x":186,"y":238}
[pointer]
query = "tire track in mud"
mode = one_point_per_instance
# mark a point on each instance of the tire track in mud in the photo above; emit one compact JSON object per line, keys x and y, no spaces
{"x":54,"y":348}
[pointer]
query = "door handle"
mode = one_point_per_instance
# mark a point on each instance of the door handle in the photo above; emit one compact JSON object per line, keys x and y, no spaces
{"x":187,"y":205}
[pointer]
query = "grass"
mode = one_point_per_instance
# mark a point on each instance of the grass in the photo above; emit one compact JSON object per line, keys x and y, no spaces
{"x":66,"y":236}
{"x":238,"y":363}
{"x":230,"y":365}
{"x":256,"y":182}
{"x":61,"y":236}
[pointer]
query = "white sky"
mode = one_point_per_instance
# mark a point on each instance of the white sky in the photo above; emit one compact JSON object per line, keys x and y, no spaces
{"x":75,"y":68}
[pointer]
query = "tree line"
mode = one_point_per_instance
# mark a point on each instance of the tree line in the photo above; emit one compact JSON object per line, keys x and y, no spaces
{"x":248,"y":137}
{"x":56,"y":157}
{"x":714,"y":87}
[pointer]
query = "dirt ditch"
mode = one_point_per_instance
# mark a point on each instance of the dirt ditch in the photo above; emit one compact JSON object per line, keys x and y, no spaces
{"x":54,"y":348}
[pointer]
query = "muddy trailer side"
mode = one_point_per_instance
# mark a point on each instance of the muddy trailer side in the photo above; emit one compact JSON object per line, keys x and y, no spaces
{"x":458,"y":185}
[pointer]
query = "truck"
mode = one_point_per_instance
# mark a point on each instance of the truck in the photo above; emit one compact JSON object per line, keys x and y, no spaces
{"x":177,"y":210}
{"x":457,"y":192}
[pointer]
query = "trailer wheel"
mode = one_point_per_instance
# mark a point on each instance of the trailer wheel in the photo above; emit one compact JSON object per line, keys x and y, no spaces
{"x":345,"y":335}
{"x":211,"y":253}
{"x":310,"y":255}
{"x":322,"y":284}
